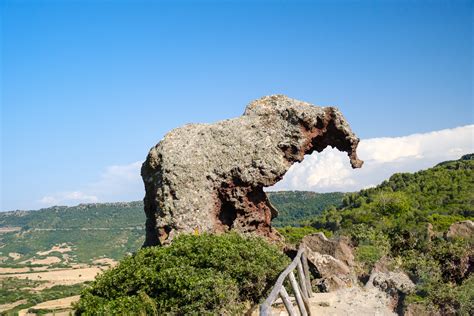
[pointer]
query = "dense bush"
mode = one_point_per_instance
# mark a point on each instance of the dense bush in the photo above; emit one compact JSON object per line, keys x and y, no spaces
{"x":443,"y":280}
{"x":368,"y":255}
{"x":204,"y":274}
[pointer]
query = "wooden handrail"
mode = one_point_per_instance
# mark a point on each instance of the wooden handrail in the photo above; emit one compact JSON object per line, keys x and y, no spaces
{"x":302,"y":289}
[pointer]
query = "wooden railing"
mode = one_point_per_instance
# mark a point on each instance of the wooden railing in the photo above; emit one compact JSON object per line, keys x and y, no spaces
{"x":302,"y":289}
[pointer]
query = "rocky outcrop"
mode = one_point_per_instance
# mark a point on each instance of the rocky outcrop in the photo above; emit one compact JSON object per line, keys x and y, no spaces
{"x":332,"y":261}
{"x":392,"y":282}
{"x":331,"y":273}
{"x":464,"y":229}
{"x":396,"y":284}
{"x":210,"y":177}
{"x":338,"y":248}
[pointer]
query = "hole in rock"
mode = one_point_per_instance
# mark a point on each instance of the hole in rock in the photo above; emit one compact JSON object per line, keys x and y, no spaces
{"x":227,"y":214}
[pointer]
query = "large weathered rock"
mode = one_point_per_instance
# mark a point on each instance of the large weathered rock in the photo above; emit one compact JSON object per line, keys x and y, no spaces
{"x":396,"y":284}
{"x":210,"y":177}
{"x":464,"y":229}
{"x":391,"y":282}
{"x":332,"y":260}
{"x":331,"y":273}
{"x":338,"y":248}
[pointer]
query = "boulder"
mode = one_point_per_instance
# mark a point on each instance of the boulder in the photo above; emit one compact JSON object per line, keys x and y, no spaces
{"x":392,"y":282}
{"x":330,"y":284}
{"x":327,"y":265}
{"x":338,"y":248}
{"x":332,"y":261}
{"x":210,"y":177}
{"x":396,"y":284}
{"x":464,"y":229}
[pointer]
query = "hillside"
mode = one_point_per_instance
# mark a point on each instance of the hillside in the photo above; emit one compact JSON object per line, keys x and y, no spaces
{"x":91,"y":231}
{"x":114,"y":229}
{"x":298,"y":206}
{"x":440,"y":195}
{"x":404,"y":222}
{"x":104,"y":215}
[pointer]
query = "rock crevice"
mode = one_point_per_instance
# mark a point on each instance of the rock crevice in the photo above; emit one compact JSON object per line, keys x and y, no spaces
{"x":210,"y":177}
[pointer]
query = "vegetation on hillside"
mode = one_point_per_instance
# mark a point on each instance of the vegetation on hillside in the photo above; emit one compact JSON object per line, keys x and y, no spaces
{"x":441,"y":196}
{"x":296,"y":207}
{"x":85,"y":245}
{"x":92,"y":230}
{"x":114,"y":229}
{"x":404,"y":219}
{"x":294,"y":235}
{"x":205,"y":274}
{"x":82,"y":216}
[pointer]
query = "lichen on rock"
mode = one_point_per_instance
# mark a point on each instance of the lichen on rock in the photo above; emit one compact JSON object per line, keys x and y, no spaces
{"x":210,"y":177}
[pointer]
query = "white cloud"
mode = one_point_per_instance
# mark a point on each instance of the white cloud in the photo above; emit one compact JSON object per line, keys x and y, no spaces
{"x":116,"y":183}
{"x":324,"y":172}
{"x":119,"y":180}
{"x":65,"y":198}
{"x":330,"y":170}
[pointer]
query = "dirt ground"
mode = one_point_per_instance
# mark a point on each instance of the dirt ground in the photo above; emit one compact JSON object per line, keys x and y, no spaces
{"x":14,"y":255}
{"x":59,"y":277}
{"x":105,"y":261}
{"x":5,"y":307}
{"x":21,"y":270}
{"x":45,"y":261}
{"x":345,"y":302}
{"x":59,"y":304}
{"x":62,"y":248}
{"x":9,"y":229}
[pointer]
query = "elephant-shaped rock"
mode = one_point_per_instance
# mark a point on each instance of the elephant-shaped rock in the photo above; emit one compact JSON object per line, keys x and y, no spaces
{"x":210,"y":177}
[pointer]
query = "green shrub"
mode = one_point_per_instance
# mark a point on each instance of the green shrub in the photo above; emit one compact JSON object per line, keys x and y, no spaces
{"x":206,"y":274}
{"x":391,"y":203}
{"x":368,"y":255}
{"x":442,"y":276}
{"x":442,"y":222}
{"x":294,"y":235}
{"x":450,"y":299}
{"x":455,"y":258}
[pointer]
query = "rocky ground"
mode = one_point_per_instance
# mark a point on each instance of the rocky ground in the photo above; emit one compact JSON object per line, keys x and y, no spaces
{"x":339,"y":292}
{"x":347,"y":302}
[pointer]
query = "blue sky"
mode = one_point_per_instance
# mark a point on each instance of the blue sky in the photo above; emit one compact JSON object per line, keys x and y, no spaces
{"x":89,"y":86}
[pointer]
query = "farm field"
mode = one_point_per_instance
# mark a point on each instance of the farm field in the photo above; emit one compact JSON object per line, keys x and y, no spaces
{"x":39,"y":286}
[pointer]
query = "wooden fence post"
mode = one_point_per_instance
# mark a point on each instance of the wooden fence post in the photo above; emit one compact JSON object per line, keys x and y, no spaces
{"x":296,"y":290}
{"x":286,"y":300}
{"x":302,"y":290}
{"x":304,"y":259}
{"x":302,"y":279}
